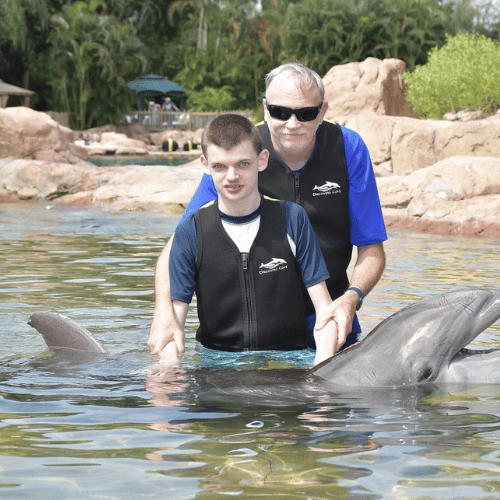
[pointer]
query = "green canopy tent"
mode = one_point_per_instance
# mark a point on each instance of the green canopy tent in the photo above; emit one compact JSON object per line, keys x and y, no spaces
{"x":153,"y":86}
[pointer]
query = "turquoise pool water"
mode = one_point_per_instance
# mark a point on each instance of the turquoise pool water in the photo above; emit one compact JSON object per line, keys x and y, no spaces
{"x":122,"y":428}
{"x":117,"y":161}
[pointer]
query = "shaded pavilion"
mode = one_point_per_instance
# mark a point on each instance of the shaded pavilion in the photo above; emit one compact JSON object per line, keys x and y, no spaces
{"x":153,"y":86}
{"x":7,"y":90}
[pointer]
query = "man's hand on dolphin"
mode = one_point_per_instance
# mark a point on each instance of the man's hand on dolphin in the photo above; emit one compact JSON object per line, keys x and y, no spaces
{"x":341,"y":311}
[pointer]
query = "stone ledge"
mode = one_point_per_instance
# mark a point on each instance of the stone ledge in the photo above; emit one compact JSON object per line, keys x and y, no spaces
{"x":470,"y":228}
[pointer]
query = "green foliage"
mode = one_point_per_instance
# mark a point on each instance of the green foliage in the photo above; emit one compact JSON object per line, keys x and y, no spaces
{"x":15,"y":17}
{"x":462,"y":74}
{"x":24,"y":25}
{"x":77,"y":55}
{"x":210,"y":99}
{"x":323,"y":33}
{"x":92,"y":61}
{"x":230,"y":52}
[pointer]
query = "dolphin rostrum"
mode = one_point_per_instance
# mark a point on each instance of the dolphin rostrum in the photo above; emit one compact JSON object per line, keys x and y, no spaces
{"x":423,"y":343}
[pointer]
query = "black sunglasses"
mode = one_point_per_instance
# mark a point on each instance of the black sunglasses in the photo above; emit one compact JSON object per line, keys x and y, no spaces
{"x":302,"y":114}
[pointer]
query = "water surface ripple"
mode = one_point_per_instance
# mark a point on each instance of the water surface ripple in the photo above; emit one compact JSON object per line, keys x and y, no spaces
{"x":121,"y":428}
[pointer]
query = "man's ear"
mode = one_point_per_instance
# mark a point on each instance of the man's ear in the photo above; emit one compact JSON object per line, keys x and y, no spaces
{"x":263,"y":159}
{"x":323,"y":110}
{"x":204,"y":162}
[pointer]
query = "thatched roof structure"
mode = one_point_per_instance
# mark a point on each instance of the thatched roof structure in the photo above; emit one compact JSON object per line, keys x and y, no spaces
{"x":7,"y":90}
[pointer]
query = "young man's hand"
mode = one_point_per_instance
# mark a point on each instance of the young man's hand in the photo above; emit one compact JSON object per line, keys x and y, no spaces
{"x":164,"y":330}
{"x":326,"y":342}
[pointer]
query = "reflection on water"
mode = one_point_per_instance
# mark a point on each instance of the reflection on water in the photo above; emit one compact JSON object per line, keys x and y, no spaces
{"x":169,"y":160}
{"x":115,"y":427}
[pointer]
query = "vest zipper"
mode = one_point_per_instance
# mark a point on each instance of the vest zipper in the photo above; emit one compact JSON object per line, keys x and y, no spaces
{"x":296,"y":178}
{"x":251,"y":325}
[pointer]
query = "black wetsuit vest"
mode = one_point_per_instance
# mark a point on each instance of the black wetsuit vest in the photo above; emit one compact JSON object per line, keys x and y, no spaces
{"x":248,"y":301}
{"x":322,"y":188}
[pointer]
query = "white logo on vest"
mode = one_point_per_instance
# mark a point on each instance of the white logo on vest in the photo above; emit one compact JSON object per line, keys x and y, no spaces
{"x":273,"y":265}
{"x":327,"y":188}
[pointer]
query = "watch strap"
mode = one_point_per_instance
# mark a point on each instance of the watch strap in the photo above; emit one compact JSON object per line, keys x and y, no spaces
{"x":361,"y":296}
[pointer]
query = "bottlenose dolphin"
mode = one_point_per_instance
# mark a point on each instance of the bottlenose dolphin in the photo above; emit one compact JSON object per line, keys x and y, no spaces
{"x":423,"y":343}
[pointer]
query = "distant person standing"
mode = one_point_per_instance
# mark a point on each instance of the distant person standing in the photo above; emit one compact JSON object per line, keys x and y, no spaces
{"x":168,"y":105}
{"x":147,"y":119}
{"x":156,"y":115}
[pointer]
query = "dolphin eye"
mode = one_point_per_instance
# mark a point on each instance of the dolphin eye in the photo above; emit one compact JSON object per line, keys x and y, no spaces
{"x":425,"y":375}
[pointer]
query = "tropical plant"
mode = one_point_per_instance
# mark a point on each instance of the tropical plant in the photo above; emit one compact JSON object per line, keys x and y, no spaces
{"x":17,"y":16}
{"x":88,"y":49}
{"x":488,"y":19}
{"x":462,"y":74}
{"x":92,"y":60}
{"x":323,"y":33}
{"x":231,"y":55}
{"x":24,"y":23}
{"x":210,"y":99}
{"x":196,"y":11}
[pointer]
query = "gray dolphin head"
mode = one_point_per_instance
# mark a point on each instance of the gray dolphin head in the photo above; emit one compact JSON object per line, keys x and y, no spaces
{"x":416,"y":344}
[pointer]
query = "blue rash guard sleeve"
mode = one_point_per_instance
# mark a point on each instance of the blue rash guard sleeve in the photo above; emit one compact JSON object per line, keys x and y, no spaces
{"x":182,"y":261}
{"x":308,"y":256}
{"x":205,"y":193}
{"x":365,"y":212}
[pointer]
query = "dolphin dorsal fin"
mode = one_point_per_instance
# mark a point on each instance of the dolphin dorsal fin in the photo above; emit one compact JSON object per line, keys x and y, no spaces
{"x":60,"y":332}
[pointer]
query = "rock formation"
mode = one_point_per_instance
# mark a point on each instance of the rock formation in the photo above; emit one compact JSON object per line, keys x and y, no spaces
{"x":27,"y":179}
{"x":458,"y":195}
{"x":116,"y":143}
{"x":402,"y":145}
{"x":434,"y":175}
{"x":25,"y":133}
{"x":373,"y":86}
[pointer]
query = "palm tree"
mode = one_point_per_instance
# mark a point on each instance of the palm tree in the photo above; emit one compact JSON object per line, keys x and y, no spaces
{"x":18,"y":21}
{"x":200,"y":8}
{"x":92,"y":61}
{"x":322,"y":33}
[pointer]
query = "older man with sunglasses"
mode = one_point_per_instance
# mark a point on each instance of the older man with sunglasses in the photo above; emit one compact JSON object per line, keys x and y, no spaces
{"x":325,"y":168}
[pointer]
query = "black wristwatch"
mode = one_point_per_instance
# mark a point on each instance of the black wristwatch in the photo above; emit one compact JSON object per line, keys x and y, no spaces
{"x":361,"y":296}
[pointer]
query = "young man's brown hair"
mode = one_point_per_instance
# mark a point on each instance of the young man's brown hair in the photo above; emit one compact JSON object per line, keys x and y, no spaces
{"x":228,"y":130}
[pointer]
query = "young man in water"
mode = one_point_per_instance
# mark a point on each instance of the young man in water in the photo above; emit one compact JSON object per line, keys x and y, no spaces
{"x":247,"y":256}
